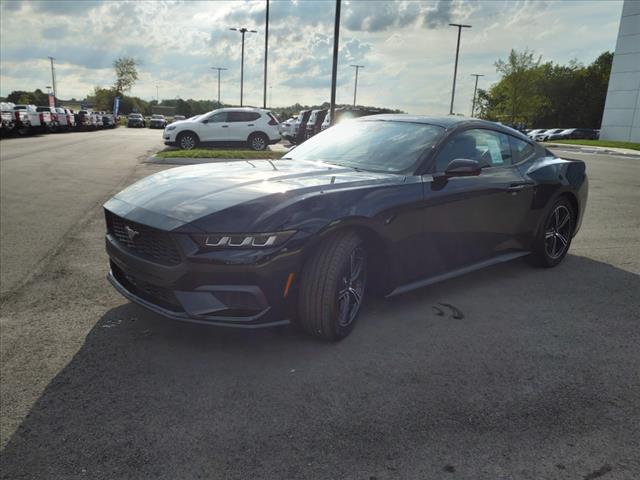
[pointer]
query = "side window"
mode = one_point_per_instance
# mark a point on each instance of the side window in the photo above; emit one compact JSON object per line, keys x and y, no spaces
{"x":243,"y":116}
{"x":219,"y":118}
{"x":521,"y":149}
{"x":487,"y":147}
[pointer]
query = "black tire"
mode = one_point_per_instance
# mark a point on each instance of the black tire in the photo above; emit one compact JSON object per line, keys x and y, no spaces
{"x":554,"y":239}
{"x":258,"y":141}
{"x":187,"y":141}
{"x":327,"y":304}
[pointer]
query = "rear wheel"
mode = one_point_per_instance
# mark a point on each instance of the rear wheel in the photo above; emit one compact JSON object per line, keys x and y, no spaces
{"x":554,"y":239}
{"x":258,"y":141}
{"x":187,"y":141}
{"x":332,"y":287}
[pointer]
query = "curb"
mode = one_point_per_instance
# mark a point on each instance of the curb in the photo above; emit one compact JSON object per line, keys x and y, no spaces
{"x":592,"y":149}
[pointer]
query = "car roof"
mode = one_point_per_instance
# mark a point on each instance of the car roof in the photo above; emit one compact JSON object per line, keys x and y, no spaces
{"x":242,"y":109}
{"x":443,"y":121}
{"x":447,"y":122}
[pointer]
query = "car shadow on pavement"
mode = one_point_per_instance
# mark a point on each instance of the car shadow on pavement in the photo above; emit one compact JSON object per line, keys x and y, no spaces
{"x":534,"y":374}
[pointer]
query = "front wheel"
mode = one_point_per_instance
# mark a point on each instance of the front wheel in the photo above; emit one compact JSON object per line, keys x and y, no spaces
{"x":332,"y":287}
{"x":554,"y":239}
{"x":187,"y":141}
{"x":258,"y":141}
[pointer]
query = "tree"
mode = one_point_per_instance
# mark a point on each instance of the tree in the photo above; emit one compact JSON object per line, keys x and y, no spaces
{"x":519,"y":76}
{"x":102,"y":98}
{"x":547,"y":94}
{"x":37,"y":97}
{"x":126,"y":74}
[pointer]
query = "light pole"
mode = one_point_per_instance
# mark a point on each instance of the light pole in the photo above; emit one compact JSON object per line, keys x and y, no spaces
{"x":219,"y":69}
{"x":53,"y":82}
{"x":455,"y":68}
{"x":475,"y":89}
{"x":242,"y":30}
{"x":266,"y":52}
{"x":355,"y":88}
{"x":334,"y":71}
{"x":157,"y":95}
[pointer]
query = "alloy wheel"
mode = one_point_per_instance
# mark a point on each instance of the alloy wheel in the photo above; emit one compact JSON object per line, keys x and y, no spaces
{"x":351,"y":287}
{"x":558,"y":232}
{"x":258,"y":143}
{"x":187,"y":142}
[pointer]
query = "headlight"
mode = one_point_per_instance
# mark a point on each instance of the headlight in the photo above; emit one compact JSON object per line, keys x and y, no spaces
{"x":171,"y":127}
{"x":242,"y":240}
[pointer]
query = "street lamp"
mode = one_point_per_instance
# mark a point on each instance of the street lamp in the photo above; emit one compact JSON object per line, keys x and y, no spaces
{"x":219,"y":69}
{"x":242,"y":30}
{"x":334,"y":66}
{"x":455,"y":68}
{"x":475,"y":89}
{"x":266,"y":53}
{"x":355,"y":88}
{"x":53,"y":82}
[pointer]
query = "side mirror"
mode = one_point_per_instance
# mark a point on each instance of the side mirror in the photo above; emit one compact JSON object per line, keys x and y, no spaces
{"x":462,"y":167}
{"x":206,"y":120}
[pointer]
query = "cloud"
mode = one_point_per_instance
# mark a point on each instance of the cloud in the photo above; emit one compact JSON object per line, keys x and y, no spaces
{"x":373,"y":16}
{"x":64,"y":7}
{"x":59,"y":31}
{"x":406,"y":46}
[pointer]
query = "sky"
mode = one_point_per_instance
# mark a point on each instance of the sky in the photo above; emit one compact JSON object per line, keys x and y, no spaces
{"x":406,"y":47}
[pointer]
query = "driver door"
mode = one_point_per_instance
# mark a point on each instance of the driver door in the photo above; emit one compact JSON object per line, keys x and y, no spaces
{"x":468,"y":219}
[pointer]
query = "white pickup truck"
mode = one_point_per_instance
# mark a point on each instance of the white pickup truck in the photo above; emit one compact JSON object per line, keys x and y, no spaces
{"x":66,"y":118}
{"x":37,"y":121}
{"x":8,"y":125}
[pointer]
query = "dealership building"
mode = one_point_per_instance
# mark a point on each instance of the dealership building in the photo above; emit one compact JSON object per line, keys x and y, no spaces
{"x":621,"y":118}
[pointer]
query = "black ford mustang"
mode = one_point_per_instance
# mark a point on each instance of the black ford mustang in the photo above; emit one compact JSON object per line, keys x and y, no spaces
{"x":383,"y":204}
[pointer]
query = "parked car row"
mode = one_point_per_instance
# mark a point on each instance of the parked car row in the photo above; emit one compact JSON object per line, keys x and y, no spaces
{"x":136,"y":120}
{"x":27,"y":119}
{"x":547,"y":135}
{"x":310,"y":122}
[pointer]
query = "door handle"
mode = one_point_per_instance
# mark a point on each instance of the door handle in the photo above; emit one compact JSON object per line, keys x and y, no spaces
{"x":250,"y":125}
{"x":225,"y":126}
{"x":516,"y":187}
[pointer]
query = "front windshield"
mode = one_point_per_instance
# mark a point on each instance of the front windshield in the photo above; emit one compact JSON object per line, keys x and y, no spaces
{"x":375,"y":145}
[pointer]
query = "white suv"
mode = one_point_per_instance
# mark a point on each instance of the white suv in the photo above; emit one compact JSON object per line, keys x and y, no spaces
{"x":250,"y":126}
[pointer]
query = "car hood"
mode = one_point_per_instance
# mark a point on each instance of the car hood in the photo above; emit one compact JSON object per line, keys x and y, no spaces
{"x":178,"y":196}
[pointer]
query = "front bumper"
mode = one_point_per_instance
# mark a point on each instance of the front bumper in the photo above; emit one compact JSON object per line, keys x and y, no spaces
{"x":206,"y":292}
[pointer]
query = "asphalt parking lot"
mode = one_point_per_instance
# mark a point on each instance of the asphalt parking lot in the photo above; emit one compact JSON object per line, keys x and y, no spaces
{"x":539,"y":379}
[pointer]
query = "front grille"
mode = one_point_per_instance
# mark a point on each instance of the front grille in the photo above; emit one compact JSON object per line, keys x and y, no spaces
{"x":149,"y":243}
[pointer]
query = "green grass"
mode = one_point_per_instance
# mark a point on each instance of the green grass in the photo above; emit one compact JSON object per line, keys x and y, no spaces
{"x":219,"y":153}
{"x":600,"y":143}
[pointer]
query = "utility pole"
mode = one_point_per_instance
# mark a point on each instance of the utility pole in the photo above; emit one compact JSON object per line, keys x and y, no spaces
{"x":355,"y":88}
{"x":53,"y":82}
{"x":266,"y":52}
{"x":219,"y":69}
{"x":455,"y":68}
{"x":334,"y":72}
{"x":242,"y":30}
{"x":475,"y":89}
{"x":157,"y":95}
